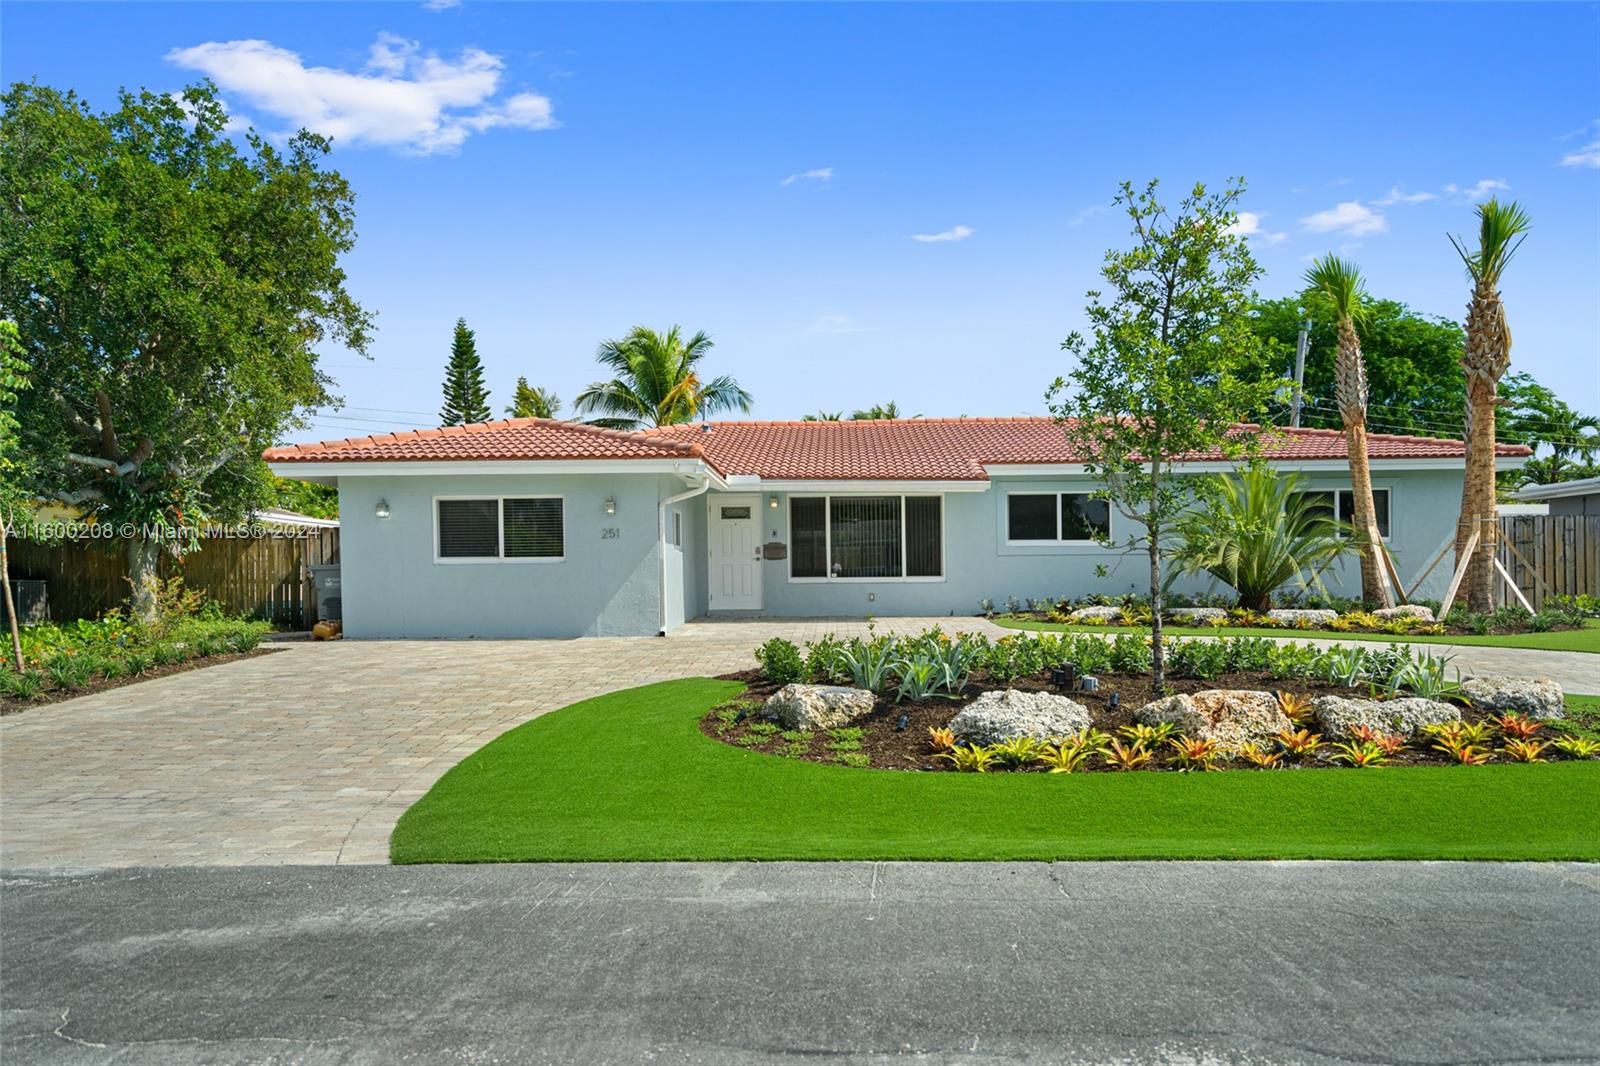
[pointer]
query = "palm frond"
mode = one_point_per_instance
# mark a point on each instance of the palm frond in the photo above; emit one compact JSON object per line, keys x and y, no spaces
{"x":1501,"y":231}
{"x":1337,"y":283}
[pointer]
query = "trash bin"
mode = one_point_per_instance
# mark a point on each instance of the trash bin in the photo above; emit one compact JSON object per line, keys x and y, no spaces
{"x":326,"y":579}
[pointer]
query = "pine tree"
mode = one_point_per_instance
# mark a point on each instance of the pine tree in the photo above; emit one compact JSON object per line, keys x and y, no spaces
{"x":465,"y":397}
{"x":529,"y":402}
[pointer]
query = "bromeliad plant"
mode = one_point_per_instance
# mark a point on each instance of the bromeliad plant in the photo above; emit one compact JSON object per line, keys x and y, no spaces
{"x":1299,"y":743}
{"x":969,"y":758}
{"x":1193,"y":754}
{"x":1126,"y":757}
{"x":1360,"y":753}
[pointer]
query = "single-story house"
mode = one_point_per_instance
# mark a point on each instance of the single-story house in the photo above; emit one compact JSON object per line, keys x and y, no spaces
{"x":1581,"y":497}
{"x":538,"y":528}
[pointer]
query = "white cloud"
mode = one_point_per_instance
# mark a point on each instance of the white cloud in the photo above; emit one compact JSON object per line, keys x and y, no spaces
{"x":955,"y":233}
{"x":822,"y":174}
{"x":1396,"y":196}
{"x":1589,"y":154}
{"x":1350,"y":217}
{"x":1086,"y":214}
{"x":404,"y":98}
{"x":440,"y":5}
{"x":1248,"y":224}
{"x":1481,"y":191}
{"x":833,"y":324}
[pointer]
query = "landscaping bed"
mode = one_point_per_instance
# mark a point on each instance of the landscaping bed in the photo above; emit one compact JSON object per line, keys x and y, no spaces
{"x":1086,"y":704}
{"x":51,"y":693}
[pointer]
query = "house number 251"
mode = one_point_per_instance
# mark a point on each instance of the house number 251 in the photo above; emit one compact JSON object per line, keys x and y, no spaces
{"x":610,"y":533}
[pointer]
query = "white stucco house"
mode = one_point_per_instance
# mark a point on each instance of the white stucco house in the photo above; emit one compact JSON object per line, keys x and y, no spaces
{"x":539,"y":528}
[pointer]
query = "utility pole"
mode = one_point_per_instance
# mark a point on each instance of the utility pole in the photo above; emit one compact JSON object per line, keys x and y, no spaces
{"x":1300,"y":346}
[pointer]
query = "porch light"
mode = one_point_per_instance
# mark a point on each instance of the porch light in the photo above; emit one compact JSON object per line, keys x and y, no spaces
{"x":772,"y":501}
{"x":382,"y":510}
{"x":611,"y":505}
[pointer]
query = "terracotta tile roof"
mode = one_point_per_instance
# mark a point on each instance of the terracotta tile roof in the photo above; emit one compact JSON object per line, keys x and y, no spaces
{"x":960,"y":448}
{"x":923,"y":449}
{"x":507,"y":439}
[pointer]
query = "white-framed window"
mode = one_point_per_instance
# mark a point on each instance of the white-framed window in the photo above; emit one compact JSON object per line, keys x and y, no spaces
{"x":492,"y":529}
{"x":1346,"y":503}
{"x":1056,"y":518}
{"x":866,"y":538}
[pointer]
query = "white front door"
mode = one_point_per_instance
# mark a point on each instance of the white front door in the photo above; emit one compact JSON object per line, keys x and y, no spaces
{"x":735,"y":570}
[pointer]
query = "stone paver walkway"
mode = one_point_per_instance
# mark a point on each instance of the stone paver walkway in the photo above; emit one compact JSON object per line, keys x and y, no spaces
{"x":311,"y":753}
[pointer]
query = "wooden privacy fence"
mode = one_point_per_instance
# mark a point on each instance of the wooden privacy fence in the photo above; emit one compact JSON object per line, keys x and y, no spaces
{"x":1548,"y":556}
{"x":264,"y":577}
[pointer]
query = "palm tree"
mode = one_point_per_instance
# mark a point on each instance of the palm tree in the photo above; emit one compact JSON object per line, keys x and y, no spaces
{"x":530,"y":402}
{"x":879,"y":411}
{"x":656,"y":383}
{"x":1337,"y":284}
{"x":1486,"y":357}
{"x":824,"y":416}
{"x":1258,"y":532}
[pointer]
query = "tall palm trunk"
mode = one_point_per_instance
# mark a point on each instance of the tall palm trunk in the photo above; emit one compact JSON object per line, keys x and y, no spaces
{"x":1485,"y":359}
{"x":1351,"y":375}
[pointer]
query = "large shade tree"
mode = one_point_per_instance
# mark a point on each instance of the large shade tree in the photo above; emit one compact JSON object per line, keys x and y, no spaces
{"x":1485,"y":357}
{"x":1159,"y":376}
{"x":171,"y":286}
{"x":13,"y":469}
{"x":1337,"y":283}
{"x":656,"y":382}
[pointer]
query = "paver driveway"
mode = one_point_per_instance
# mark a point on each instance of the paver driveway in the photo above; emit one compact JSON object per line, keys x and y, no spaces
{"x":311,"y":753}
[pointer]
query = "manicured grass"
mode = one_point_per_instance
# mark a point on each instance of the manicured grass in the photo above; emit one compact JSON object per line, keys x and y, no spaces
{"x":1585,"y":639}
{"x":630,"y":776}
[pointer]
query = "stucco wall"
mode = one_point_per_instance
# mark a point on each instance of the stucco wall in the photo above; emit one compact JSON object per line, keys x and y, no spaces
{"x":603,"y":587}
{"x":979,"y":564}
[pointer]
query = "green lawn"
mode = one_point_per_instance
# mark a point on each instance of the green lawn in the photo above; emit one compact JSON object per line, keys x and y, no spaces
{"x":1585,"y":639}
{"x":630,"y":776}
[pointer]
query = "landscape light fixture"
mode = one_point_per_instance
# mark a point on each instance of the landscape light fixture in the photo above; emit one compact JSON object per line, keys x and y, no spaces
{"x":1115,"y":701}
{"x":611,"y":505}
{"x":901,"y":723}
{"x":382,"y":510}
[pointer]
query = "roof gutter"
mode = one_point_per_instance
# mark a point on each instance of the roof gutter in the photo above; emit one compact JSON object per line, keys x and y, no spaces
{"x":661,"y":546}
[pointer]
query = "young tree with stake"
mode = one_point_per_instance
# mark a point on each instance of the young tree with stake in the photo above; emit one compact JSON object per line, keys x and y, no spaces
{"x":1158,"y":378}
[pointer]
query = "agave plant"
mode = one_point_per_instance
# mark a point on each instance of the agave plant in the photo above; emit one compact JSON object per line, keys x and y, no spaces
{"x":919,"y":679}
{"x":1259,"y":531}
{"x":868,"y":663}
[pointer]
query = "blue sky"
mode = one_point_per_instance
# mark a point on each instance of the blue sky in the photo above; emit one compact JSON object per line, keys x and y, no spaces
{"x":556,"y":174}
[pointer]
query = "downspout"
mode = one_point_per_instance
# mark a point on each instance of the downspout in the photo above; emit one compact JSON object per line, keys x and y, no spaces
{"x":661,"y":546}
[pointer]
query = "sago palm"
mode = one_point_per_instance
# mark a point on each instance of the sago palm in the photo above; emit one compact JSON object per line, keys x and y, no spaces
{"x":657,"y":383}
{"x":1259,"y":531}
{"x":1337,"y":284}
{"x":1487,"y":356}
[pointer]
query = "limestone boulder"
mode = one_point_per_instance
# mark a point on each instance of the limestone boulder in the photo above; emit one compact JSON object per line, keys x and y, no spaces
{"x":1231,"y":717}
{"x":1096,"y":614}
{"x":811,"y":707}
{"x":1537,"y":697}
{"x":999,"y":716}
{"x":1337,"y":716}
{"x":1291,"y":616}
{"x":1405,"y":610}
{"x":1198,"y":616}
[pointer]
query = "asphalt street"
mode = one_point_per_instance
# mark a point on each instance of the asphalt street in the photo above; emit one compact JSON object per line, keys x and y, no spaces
{"x":849,"y":962}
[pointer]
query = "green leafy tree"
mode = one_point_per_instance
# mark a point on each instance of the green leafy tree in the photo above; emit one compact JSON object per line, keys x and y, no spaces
{"x":824,"y":416}
{"x":13,"y":466}
{"x":306,"y":497}
{"x":1485,"y":357}
{"x":1257,"y":532}
{"x":170,"y":290}
{"x":465,"y":397}
{"x":529,"y":402}
{"x":1159,"y":376}
{"x":1337,"y":283}
{"x":657,"y":382}
{"x":1536,"y":416}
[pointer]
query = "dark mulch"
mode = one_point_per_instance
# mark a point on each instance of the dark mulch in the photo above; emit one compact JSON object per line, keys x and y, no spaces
{"x":51,"y":694}
{"x":891,"y":748}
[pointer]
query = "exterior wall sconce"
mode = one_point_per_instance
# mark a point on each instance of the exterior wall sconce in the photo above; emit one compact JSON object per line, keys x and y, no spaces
{"x":772,"y":501}
{"x":611,"y":505}
{"x":382,"y":510}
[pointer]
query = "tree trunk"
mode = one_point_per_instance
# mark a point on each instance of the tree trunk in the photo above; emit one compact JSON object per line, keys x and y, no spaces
{"x":1373,"y":588}
{"x":1478,"y":497}
{"x":144,"y":563}
{"x":1158,"y":665}
{"x":11,"y":604}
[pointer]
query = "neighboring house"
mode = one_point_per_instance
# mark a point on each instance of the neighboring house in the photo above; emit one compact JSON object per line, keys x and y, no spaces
{"x":1566,"y":497}
{"x":535,"y":528}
